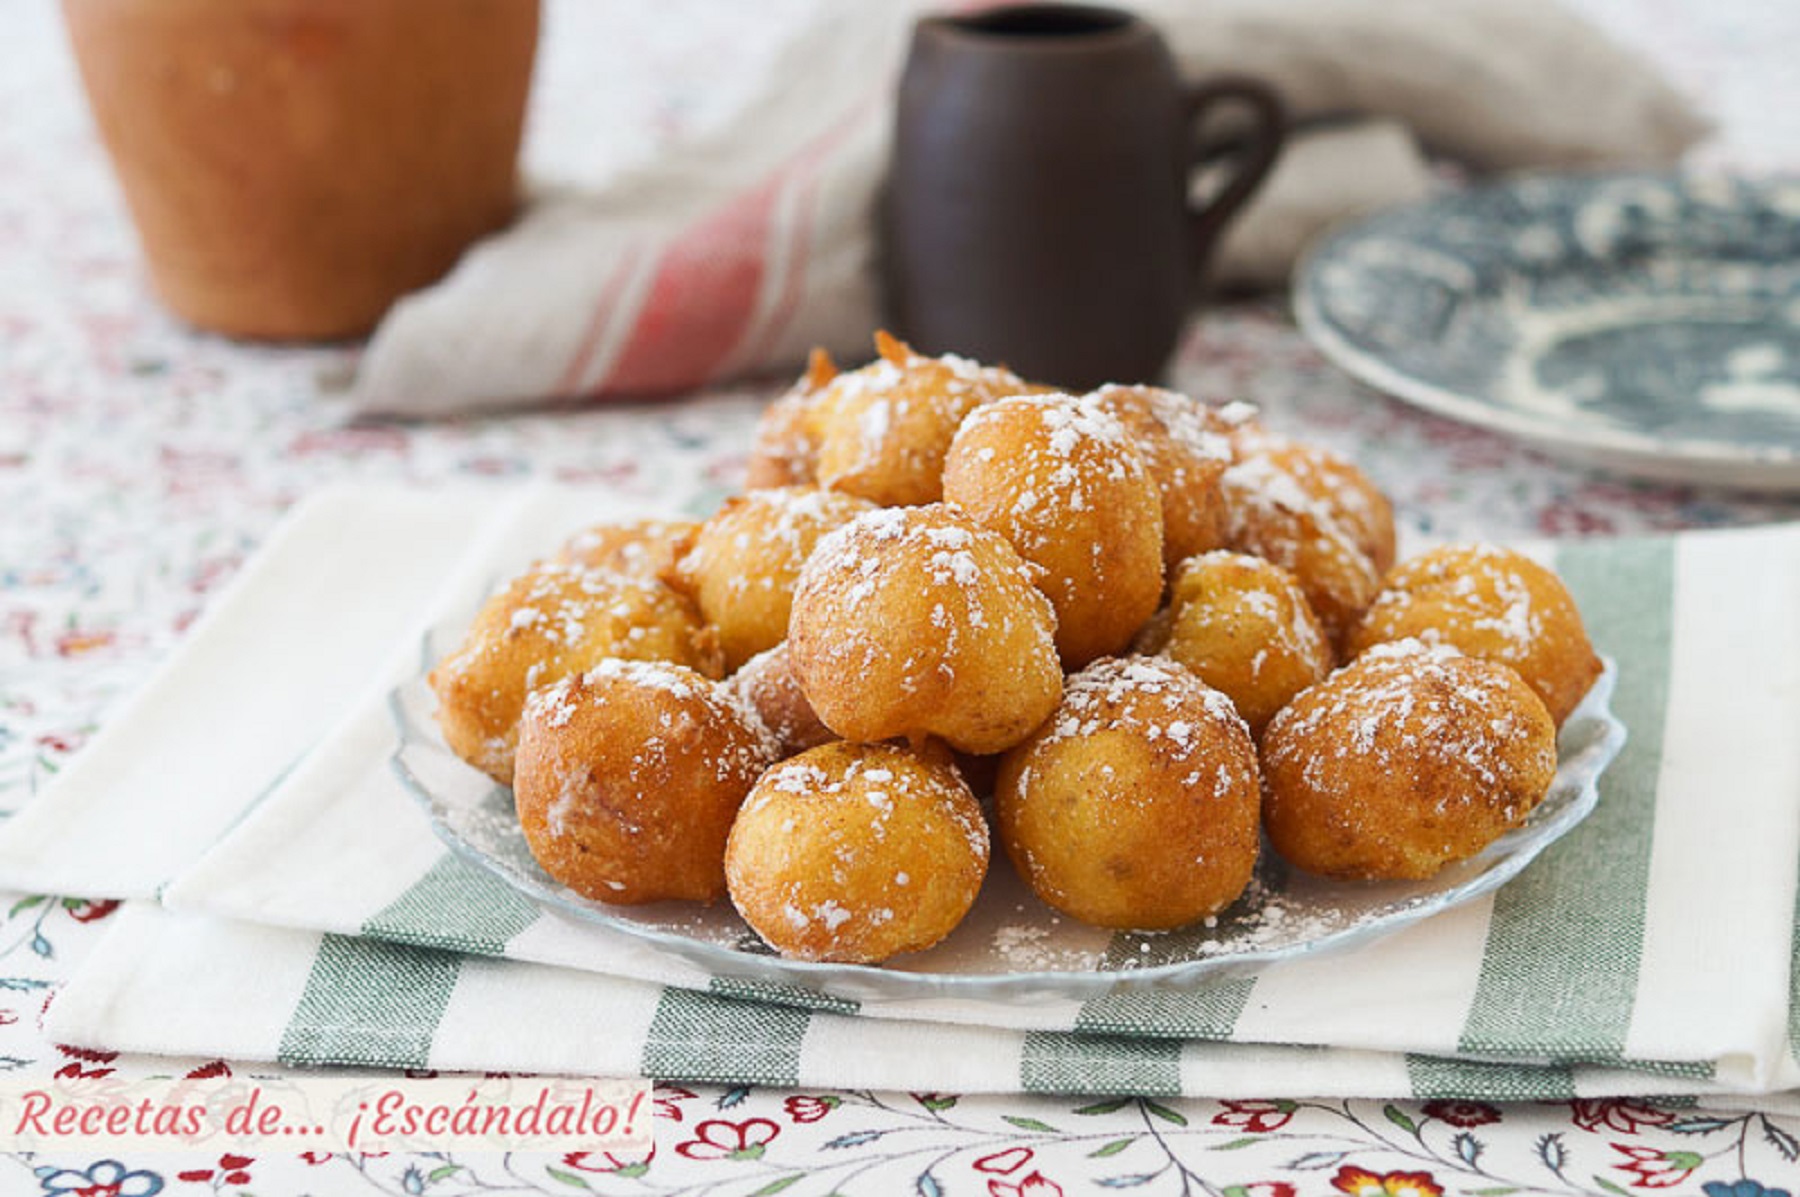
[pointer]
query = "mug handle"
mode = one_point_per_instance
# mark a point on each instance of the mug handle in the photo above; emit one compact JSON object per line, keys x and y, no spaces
{"x":1257,"y":149}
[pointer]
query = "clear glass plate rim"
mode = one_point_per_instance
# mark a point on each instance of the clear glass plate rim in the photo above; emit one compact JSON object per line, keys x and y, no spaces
{"x":1511,"y":855}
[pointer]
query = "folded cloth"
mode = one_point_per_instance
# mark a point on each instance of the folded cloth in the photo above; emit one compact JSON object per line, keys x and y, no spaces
{"x":1324,"y":176}
{"x":340,"y":586}
{"x":738,"y":251}
{"x":298,"y":628}
{"x":306,"y":999}
{"x":1604,"y":954}
{"x":1494,"y":86}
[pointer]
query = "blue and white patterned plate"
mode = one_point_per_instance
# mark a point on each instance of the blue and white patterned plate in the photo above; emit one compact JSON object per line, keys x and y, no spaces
{"x":1645,"y":323}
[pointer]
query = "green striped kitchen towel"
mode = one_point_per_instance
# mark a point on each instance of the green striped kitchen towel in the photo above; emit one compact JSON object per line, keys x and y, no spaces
{"x":1607,"y":949}
{"x":1608,"y":954}
{"x":307,"y":999}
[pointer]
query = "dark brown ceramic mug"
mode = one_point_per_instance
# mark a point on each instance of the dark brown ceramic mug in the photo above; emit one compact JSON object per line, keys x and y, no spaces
{"x":1037,"y":211}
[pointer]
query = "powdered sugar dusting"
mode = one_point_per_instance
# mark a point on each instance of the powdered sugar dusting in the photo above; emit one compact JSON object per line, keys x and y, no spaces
{"x":1151,"y":696}
{"x":963,"y":567}
{"x":1402,"y":702}
{"x":1468,"y":587}
{"x":1057,"y":442}
{"x":565,"y":605}
{"x":686,"y":706}
{"x":1197,"y":429}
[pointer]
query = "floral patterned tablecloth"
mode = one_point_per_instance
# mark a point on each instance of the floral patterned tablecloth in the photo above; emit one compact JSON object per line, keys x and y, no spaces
{"x":141,"y":463}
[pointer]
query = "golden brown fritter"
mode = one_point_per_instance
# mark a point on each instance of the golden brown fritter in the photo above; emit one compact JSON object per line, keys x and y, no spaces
{"x":916,"y":621}
{"x":1490,"y":602}
{"x":1242,"y":625}
{"x":1186,"y":446}
{"x":1060,"y":479}
{"x":1403,"y":761}
{"x":549,"y":622}
{"x":629,"y":778}
{"x":857,"y":852}
{"x":884,"y":429}
{"x":784,"y":450}
{"x":742,"y":563}
{"x":1135,"y":805}
{"x":767,"y":683}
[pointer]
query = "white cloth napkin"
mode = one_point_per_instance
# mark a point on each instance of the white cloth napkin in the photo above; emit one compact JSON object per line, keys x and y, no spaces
{"x":1605,"y":955}
{"x":298,"y":629}
{"x":738,"y":251}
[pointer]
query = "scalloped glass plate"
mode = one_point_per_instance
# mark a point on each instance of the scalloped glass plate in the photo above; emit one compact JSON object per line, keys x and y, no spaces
{"x":1646,"y":323}
{"x":1011,"y":946}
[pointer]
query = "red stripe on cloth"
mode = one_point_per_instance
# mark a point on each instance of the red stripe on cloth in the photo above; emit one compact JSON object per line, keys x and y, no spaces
{"x":702,"y":297}
{"x":605,"y":308}
{"x":809,"y":184}
{"x":702,"y":303}
{"x":815,"y":161}
{"x":793,"y":283}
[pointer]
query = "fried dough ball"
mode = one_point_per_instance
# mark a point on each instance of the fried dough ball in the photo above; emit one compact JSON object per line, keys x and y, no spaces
{"x":784,"y":450}
{"x":1135,"y":805}
{"x":1186,"y":447}
{"x":742,"y":563}
{"x":554,"y":620}
{"x":1060,"y":479}
{"x":629,"y":777}
{"x":887,"y":426}
{"x":1406,"y":760}
{"x":1340,"y":488}
{"x":916,"y":621}
{"x":1494,"y":603}
{"x":857,"y":852}
{"x":645,"y":548}
{"x":768,"y":685}
{"x":1242,"y":625}
{"x":1269,"y":513}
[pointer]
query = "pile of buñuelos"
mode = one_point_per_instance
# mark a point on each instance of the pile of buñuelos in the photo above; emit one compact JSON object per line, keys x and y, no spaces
{"x":1136,"y":628}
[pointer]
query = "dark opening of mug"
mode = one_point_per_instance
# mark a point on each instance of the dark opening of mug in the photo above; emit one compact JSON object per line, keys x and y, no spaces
{"x":1046,"y":21}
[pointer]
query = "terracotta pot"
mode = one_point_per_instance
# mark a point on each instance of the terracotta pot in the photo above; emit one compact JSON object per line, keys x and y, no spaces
{"x":293,"y":166}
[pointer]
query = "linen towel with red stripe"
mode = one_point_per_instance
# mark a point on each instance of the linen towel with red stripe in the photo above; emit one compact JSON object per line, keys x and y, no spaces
{"x":739,"y":249}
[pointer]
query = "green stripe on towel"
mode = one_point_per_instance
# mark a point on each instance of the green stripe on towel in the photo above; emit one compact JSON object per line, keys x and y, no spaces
{"x":1692,"y":1070}
{"x":370,"y":1003}
{"x":1100,"y":1065}
{"x":455,"y":906}
{"x":717,"y":1040}
{"x":1559,"y":976}
{"x":1210,"y":1013}
{"x":781,"y":995}
{"x":1441,"y":1078}
{"x":1794,"y":986}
